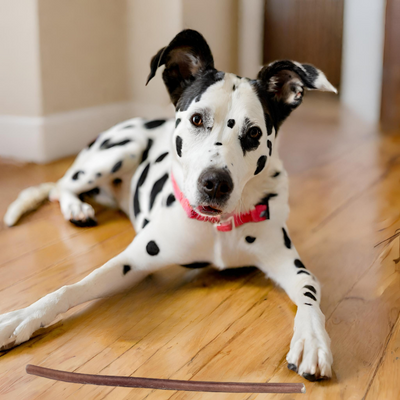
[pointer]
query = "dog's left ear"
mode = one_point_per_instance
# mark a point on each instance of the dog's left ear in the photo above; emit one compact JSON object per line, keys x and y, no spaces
{"x":186,"y":57}
{"x":283,"y":83}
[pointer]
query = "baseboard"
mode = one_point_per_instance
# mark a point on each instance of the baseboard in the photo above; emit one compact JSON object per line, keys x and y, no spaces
{"x":44,"y":139}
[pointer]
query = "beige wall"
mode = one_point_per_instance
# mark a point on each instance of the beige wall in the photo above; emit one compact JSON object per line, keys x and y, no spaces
{"x":83,"y":53}
{"x":20,"y":86}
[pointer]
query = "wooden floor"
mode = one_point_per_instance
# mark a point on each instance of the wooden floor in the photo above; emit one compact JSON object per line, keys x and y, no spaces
{"x":228,"y":326}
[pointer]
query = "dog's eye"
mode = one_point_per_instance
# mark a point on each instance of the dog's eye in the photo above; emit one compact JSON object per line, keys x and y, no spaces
{"x":254,"y":132}
{"x":197,"y":120}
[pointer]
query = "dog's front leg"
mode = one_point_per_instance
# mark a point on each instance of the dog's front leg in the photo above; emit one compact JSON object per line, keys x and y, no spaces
{"x":143,"y":256}
{"x":310,"y":354}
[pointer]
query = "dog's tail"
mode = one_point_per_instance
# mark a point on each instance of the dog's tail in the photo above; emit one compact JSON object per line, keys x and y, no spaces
{"x":28,"y":200}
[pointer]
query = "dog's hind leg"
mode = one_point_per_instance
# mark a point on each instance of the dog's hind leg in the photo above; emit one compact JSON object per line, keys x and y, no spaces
{"x":310,"y":354}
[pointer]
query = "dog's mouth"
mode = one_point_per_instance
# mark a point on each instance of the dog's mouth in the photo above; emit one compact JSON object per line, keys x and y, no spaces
{"x":208,"y":210}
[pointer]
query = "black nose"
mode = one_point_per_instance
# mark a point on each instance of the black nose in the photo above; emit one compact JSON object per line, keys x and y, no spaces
{"x":215,"y":184}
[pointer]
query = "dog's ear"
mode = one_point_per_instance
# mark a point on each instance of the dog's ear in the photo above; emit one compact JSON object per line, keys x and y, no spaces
{"x":186,"y":57}
{"x":283,"y":83}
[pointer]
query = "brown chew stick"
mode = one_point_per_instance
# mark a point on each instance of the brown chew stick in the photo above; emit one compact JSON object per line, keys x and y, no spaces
{"x":165,"y":384}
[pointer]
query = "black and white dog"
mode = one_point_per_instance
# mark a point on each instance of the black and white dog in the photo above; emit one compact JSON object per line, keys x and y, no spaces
{"x":205,"y":188}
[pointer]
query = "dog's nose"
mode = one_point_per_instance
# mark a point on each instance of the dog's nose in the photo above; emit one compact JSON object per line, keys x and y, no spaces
{"x":216,"y":184}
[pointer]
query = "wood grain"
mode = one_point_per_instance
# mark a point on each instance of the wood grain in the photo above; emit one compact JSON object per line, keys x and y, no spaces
{"x":231,"y":325}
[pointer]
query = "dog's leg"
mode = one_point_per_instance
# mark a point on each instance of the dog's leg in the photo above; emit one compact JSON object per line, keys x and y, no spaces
{"x":310,"y":354}
{"x":151,"y":250}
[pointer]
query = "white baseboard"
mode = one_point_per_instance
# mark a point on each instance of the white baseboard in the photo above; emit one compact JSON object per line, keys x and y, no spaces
{"x":43,"y":139}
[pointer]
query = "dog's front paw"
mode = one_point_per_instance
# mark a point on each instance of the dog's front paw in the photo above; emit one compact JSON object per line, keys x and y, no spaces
{"x":310,"y":354}
{"x":81,"y":214}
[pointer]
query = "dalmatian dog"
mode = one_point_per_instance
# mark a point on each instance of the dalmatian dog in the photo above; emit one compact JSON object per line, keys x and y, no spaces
{"x":206,"y":188}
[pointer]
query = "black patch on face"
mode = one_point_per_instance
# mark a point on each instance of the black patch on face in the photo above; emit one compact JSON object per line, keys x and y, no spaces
{"x":303,"y":272}
{"x":107,"y":145}
{"x":157,"y":187}
{"x":145,"y":222}
{"x":231,"y":123}
{"x":198,"y":87}
{"x":268,"y":124}
{"x":178,"y":143}
{"x":265,"y":201}
{"x":117,"y":181}
{"x":246,"y":141}
{"x":308,"y":304}
{"x":84,"y":223}
{"x":91,"y":143}
{"x":299,"y":264}
{"x":310,"y":295}
{"x":276,"y":174}
{"x":218,"y":144}
{"x":98,"y":175}
{"x":312,"y":288}
{"x":143,"y":176}
{"x":160,"y":158}
{"x":146,"y":150}
{"x":152,"y":248}
{"x":196,"y":265}
{"x":155,"y":123}
{"x":286,"y":239}
{"x":269,"y":144}
{"x":126,"y":269}
{"x":260,"y":164}
{"x":170,"y":200}
{"x":234,"y":87}
{"x":75,"y":176}
{"x":116,"y":167}
{"x":177,"y":122}
{"x":250,"y":239}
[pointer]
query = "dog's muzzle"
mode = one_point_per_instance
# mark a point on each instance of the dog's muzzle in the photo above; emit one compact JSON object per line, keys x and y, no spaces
{"x":215,"y":186}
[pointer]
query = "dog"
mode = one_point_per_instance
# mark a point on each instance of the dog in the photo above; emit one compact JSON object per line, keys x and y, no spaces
{"x":205,"y":188}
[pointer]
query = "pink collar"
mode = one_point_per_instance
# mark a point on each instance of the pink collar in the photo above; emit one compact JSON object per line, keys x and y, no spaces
{"x":257,"y":214}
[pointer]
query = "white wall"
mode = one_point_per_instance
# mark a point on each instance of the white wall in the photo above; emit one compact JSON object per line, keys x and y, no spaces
{"x":363,"y":42}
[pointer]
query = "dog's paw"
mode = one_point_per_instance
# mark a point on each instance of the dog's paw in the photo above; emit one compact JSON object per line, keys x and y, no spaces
{"x":17,"y":327}
{"x":310,"y":354}
{"x":80,"y":214}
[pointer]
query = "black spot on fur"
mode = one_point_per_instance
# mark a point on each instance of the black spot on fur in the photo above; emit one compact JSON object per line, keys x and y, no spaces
{"x":127,"y":268}
{"x":247,"y":142}
{"x":91,"y":143}
{"x":107,"y":145}
{"x":157,"y":187}
{"x":98,"y":175}
{"x":198,"y":87}
{"x":196,"y":265}
{"x":117,"y":181}
{"x":146,"y":150}
{"x":218,"y":144}
{"x":303,"y":272}
{"x":152,"y":248}
{"x":160,"y":158}
{"x":268,"y":124}
{"x":178,"y":143}
{"x":177,"y":122}
{"x":265,"y":201}
{"x":312,"y":288}
{"x":170,"y":200}
{"x":286,"y":239}
{"x":308,"y":304}
{"x":75,"y":176}
{"x":292,"y":367}
{"x":143,"y":176}
{"x":84,"y":223}
{"x":155,"y":123}
{"x":128,"y":127}
{"x":234,"y":87}
{"x":145,"y":222}
{"x":231,"y":123}
{"x":250,"y":239}
{"x":269,"y":144}
{"x":260,"y":164}
{"x":276,"y":174}
{"x":299,"y":264}
{"x":116,"y":167}
{"x":91,"y":193}
{"x":310,"y":295}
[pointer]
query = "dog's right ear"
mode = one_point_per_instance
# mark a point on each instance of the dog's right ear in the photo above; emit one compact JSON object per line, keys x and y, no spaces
{"x":187,"y":56}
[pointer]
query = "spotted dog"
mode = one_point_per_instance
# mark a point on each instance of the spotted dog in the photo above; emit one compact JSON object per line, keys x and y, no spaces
{"x":206,"y":188}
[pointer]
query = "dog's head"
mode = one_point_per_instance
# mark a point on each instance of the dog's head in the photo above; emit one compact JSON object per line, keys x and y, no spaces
{"x":226,"y":125}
